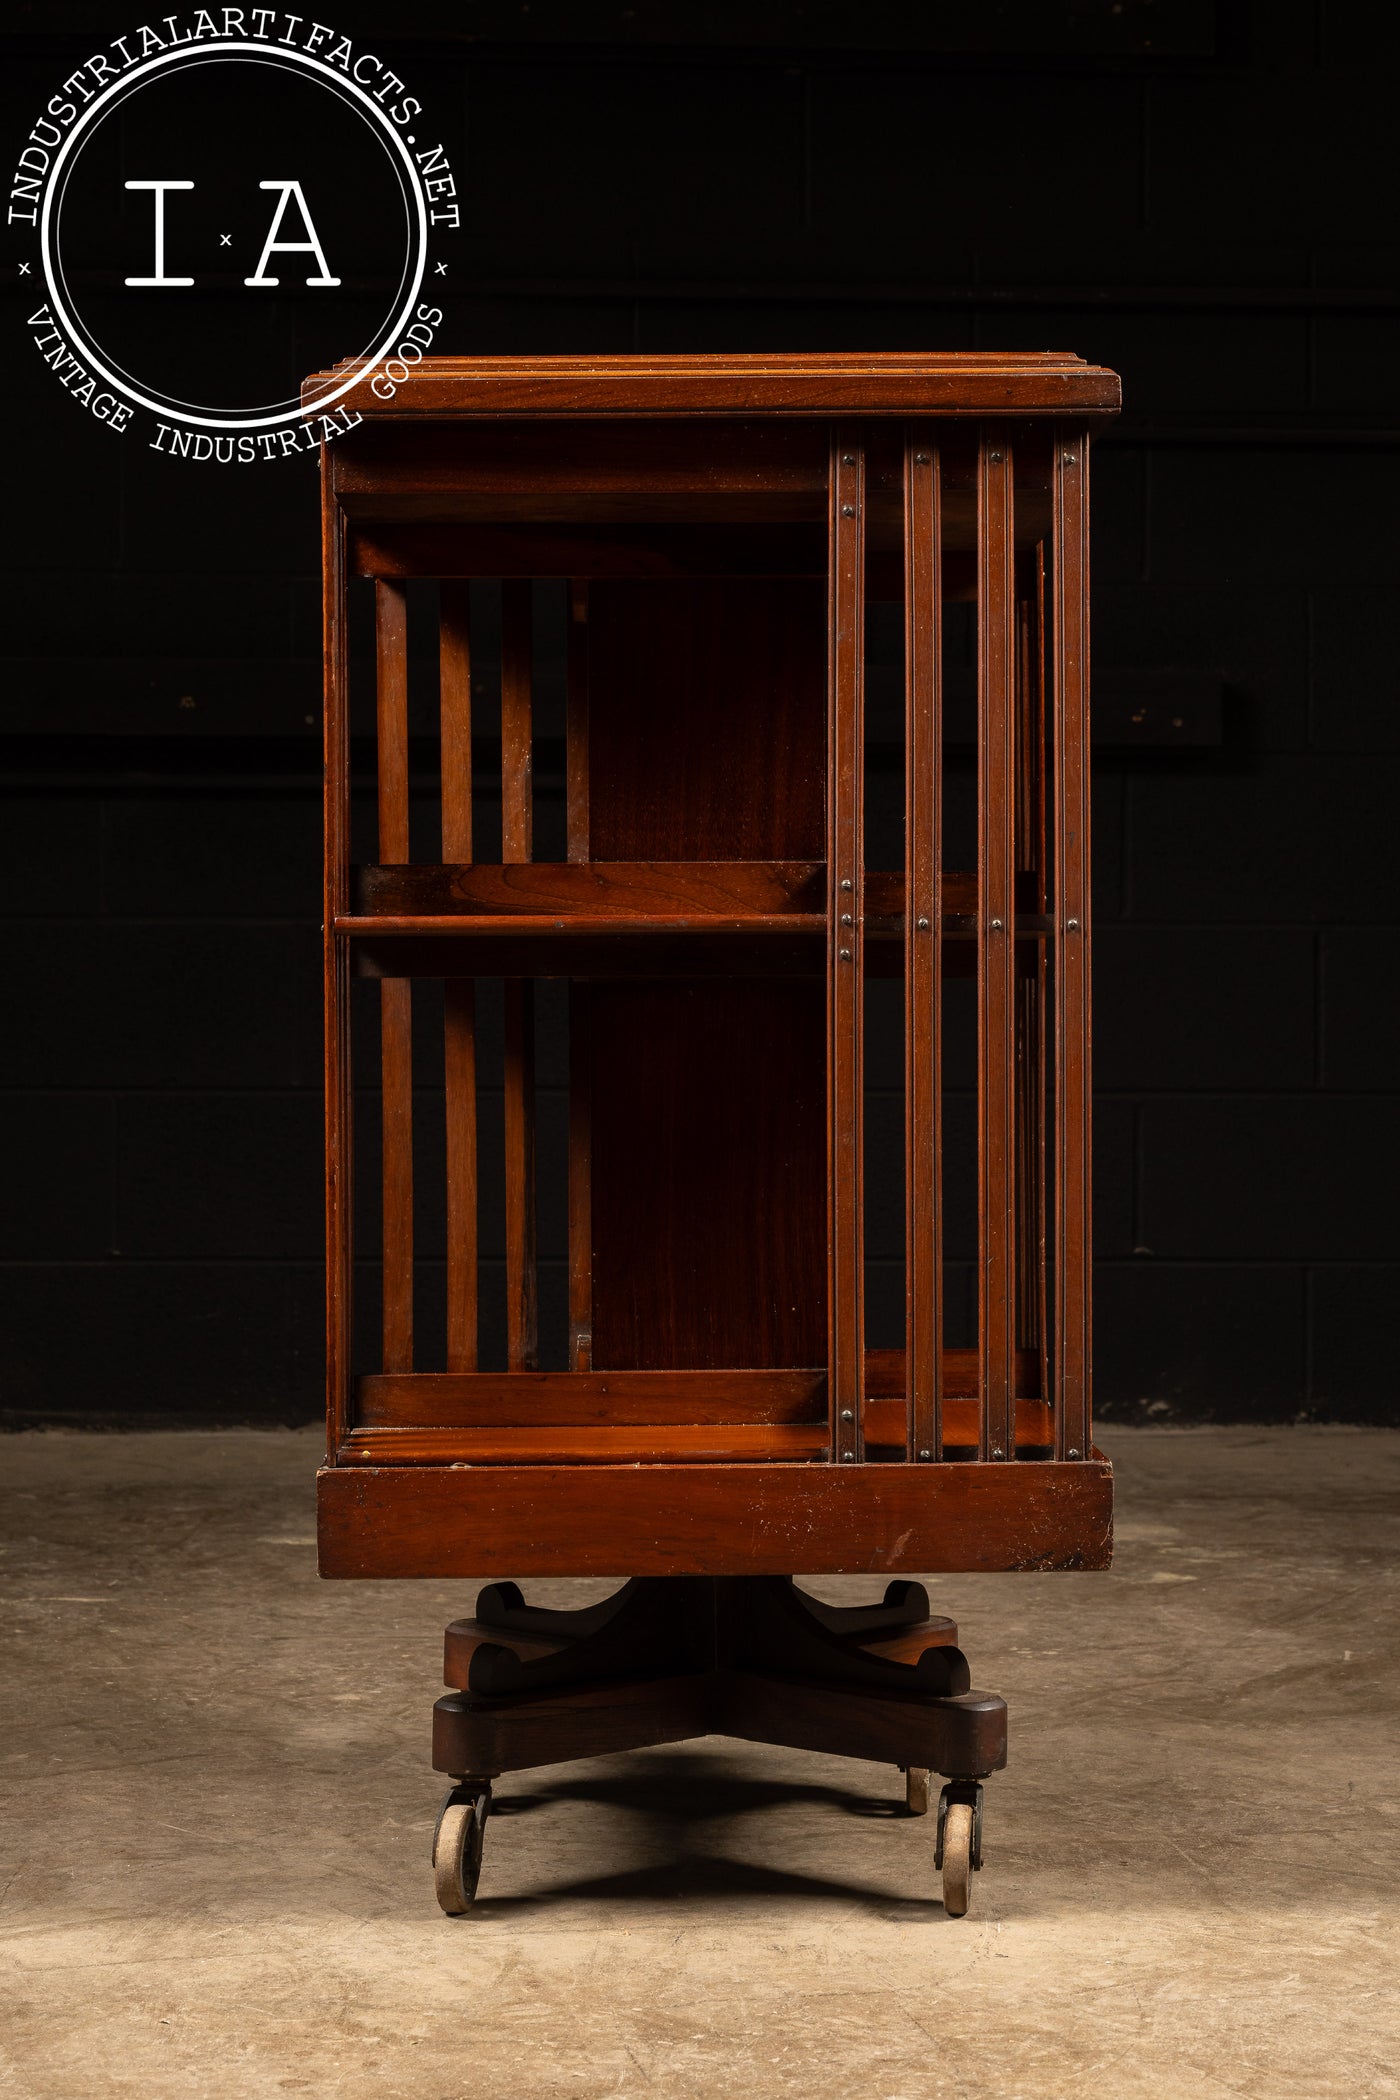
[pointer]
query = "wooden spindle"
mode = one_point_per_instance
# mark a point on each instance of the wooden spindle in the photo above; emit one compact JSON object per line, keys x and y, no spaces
{"x":1031,"y":974}
{"x":395,"y":993}
{"x":517,"y":840}
{"x":335,"y":901}
{"x":459,"y":993}
{"x":576,"y":725}
{"x":1070,"y":792}
{"x":580,"y":1065}
{"x":996,"y":946}
{"x":923,"y":1021}
{"x":845,"y":969}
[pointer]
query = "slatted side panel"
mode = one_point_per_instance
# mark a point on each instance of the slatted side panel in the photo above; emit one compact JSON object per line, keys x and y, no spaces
{"x":923,"y":770}
{"x":517,"y":844}
{"x":580,"y":1081}
{"x":996,"y":960}
{"x":396,"y":1010}
{"x":845,"y":964}
{"x":1070,"y":790}
{"x":459,"y":993}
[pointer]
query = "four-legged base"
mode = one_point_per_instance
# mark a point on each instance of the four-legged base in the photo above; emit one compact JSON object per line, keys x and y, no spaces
{"x":671,"y":1657}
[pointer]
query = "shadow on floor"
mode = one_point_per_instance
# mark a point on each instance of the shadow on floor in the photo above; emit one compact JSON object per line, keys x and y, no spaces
{"x":673,"y":1800}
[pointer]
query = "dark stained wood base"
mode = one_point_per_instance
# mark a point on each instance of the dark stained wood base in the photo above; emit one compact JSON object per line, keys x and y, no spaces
{"x":671,"y":1657}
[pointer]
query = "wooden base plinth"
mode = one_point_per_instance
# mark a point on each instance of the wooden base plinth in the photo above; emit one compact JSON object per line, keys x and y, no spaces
{"x":457,"y":1521}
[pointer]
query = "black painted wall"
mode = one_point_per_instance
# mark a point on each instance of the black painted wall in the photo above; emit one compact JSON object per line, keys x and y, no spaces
{"x":1200,"y":197}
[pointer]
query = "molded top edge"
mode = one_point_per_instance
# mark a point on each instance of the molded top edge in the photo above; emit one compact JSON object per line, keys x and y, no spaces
{"x":798,"y":383}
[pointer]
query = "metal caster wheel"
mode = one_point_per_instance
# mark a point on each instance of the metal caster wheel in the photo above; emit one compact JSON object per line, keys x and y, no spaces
{"x":916,"y":1790}
{"x":959,"y":1852}
{"x":457,"y":1844}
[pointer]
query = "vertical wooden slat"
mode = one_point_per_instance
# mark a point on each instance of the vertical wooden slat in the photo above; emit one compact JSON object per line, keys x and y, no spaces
{"x":845,"y":967}
{"x":923,"y":829}
{"x":1032,"y":986}
{"x":576,"y":726}
{"x":395,"y":993}
{"x":517,"y":843}
{"x":580,"y":1042}
{"x":459,"y":993}
{"x":336,"y":793}
{"x":1070,"y":789}
{"x":996,"y":958}
{"x":1030,"y":1243}
{"x":580,"y":1181}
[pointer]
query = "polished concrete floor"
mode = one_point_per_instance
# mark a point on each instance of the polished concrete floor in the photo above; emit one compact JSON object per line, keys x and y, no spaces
{"x":215,"y":1859}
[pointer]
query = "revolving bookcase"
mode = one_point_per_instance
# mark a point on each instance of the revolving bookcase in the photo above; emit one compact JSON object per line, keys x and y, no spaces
{"x":717,"y":732}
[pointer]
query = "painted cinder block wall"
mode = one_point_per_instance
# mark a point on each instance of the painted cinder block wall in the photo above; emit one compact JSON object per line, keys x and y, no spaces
{"x":1213,"y":218}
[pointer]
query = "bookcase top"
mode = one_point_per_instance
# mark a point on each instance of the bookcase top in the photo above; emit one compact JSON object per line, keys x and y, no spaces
{"x":800,"y":383}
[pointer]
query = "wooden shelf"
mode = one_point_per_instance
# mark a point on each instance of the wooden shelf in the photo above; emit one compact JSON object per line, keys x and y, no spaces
{"x":656,"y":1417}
{"x":625,"y":917}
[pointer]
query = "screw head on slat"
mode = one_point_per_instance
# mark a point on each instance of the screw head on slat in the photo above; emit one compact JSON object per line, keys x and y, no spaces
{"x":921,"y":459}
{"x":1071,"y":925}
{"x":1069,"y":459}
{"x":995,"y":458}
{"x":923,"y":925}
{"x":845,"y":882}
{"x":926,"y":1454}
{"x":845,"y":955}
{"x":848,"y":1414}
{"x":848,"y":510}
{"x":849,"y":1457}
{"x":848,"y":459}
{"x":996,"y":926}
{"x":1073,"y":1451}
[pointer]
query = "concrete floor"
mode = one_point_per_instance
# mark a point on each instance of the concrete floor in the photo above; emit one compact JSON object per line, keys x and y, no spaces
{"x":215,"y":1867}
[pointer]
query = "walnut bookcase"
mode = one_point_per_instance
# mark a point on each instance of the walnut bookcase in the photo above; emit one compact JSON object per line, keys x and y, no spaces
{"x":714,"y":1422}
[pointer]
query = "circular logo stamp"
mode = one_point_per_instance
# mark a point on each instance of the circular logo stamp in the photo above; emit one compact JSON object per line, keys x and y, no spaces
{"x":218,"y":205}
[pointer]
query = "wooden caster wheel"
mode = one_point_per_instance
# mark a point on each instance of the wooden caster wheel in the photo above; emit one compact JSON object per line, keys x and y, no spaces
{"x":957,"y":1859}
{"x":457,"y":1846}
{"x":916,"y":1790}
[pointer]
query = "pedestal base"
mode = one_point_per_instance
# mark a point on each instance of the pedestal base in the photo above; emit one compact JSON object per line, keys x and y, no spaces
{"x":671,"y":1657}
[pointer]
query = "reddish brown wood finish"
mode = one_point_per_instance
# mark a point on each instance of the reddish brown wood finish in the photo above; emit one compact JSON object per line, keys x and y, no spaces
{"x":715,"y":792}
{"x":576,"y":725}
{"x":517,"y":844}
{"x":459,"y":993}
{"x":708,"y":1192}
{"x":1031,"y":987}
{"x":704,"y":731}
{"x":580,"y":1181}
{"x":336,"y":971}
{"x":635,"y":1398}
{"x":845,"y":857}
{"x":923,"y":935}
{"x":996,"y":985}
{"x":730,"y":890}
{"x":721,"y":524}
{"x":552,"y":1441}
{"x":455,"y":1522}
{"x":670,"y":895}
{"x":1072,"y":1269}
{"x":961,"y":383}
{"x":396,"y":1009}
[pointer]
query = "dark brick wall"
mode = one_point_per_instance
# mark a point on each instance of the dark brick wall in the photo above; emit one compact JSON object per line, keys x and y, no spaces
{"x":1211,"y":215}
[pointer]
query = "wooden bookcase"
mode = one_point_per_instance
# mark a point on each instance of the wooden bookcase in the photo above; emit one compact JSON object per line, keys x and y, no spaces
{"x":712,"y":531}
